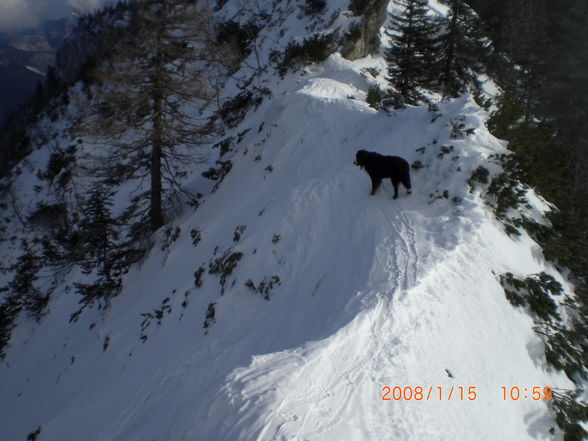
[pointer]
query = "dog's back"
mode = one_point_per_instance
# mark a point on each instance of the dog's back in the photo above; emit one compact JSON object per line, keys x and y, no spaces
{"x":381,"y":166}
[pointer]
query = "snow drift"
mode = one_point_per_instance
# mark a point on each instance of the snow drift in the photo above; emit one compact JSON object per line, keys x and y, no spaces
{"x":334,"y":295}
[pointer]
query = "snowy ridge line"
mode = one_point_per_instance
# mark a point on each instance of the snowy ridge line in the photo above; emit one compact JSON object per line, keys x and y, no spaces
{"x":255,"y":373}
{"x":373,"y":292}
{"x":356,"y":333}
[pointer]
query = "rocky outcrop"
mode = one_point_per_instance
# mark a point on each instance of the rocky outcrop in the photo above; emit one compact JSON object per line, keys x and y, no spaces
{"x":363,"y":38}
{"x":84,"y":42}
{"x":90,"y":39}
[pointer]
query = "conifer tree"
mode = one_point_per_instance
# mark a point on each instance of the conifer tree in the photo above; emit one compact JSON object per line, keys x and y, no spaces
{"x":105,"y":255}
{"x":462,"y":49}
{"x":542,"y":157}
{"x":9,"y":310}
{"x":99,"y":231}
{"x":411,"y":55}
{"x":21,"y":293}
{"x":22,"y":288}
{"x":153,"y":86}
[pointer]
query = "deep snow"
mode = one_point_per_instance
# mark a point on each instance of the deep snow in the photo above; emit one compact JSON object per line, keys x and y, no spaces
{"x":373,"y":292}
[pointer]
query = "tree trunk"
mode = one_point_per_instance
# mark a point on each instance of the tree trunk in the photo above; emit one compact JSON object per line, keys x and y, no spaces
{"x":155,"y":211}
{"x":450,"y":87}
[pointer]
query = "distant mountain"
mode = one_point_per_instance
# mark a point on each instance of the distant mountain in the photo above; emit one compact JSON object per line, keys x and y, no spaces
{"x":16,"y":83}
{"x":24,"y":59}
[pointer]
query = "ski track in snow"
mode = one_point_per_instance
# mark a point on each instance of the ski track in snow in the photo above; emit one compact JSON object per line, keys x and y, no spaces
{"x":288,"y":391}
{"x":374,"y":292}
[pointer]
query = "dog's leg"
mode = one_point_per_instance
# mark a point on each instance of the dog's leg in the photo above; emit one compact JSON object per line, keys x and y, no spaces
{"x":406,"y":183}
{"x":375,"y":185}
{"x":395,"y":185}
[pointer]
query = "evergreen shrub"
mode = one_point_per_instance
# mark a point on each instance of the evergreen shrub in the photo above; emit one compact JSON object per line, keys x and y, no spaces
{"x":312,"y":50}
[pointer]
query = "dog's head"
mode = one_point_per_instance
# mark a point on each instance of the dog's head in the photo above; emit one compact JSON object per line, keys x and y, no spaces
{"x":360,"y":157}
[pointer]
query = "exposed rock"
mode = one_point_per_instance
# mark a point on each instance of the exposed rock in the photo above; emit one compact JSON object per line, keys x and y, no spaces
{"x":364,"y":38}
{"x":84,"y":42}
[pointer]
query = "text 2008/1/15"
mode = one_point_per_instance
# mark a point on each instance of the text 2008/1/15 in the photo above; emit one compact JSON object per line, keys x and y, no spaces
{"x":427,"y":393}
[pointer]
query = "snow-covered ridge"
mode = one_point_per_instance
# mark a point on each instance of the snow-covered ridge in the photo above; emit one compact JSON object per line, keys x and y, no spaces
{"x":367,"y":292}
{"x":373,"y":292}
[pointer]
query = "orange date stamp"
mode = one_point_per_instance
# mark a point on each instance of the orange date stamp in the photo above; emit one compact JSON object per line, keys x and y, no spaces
{"x":428,"y":393}
{"x":462,"y":393}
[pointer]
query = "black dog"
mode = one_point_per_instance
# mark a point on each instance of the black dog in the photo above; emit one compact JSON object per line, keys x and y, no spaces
{"x":380,"y":167}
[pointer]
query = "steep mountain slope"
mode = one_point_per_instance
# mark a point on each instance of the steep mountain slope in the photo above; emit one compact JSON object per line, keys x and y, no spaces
{"x":332,"y":294}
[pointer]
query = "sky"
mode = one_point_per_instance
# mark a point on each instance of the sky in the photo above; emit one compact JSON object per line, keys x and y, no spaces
{"x":17,"y":15}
